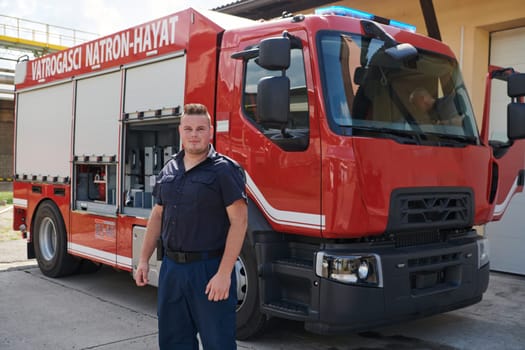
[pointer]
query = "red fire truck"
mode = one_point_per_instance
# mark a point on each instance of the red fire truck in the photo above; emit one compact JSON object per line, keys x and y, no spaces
{"x":363,"y":206}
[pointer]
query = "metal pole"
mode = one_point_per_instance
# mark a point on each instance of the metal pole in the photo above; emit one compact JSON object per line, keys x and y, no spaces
{"x":427,"y":7}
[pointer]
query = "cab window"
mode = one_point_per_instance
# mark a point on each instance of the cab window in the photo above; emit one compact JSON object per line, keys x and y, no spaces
{"x":294,"y":135}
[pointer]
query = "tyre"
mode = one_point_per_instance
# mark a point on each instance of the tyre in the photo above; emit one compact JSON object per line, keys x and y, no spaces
{"x":50,"y":242}
{"x":250,"y":320}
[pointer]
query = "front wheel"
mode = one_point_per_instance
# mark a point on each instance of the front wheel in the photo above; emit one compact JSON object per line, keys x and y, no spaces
{"x":50,"y":241}
{"x":250,"y":320}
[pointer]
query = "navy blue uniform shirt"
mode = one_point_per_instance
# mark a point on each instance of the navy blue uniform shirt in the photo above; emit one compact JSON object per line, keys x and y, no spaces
{"x":194,"y":217}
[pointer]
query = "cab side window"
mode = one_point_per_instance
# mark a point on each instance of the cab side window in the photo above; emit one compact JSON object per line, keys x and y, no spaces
{"x":294,"y":135}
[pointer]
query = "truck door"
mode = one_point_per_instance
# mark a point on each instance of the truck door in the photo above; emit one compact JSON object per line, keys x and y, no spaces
{"x":505,"y":236}
{"x":508,"y":169}
{"x":93,"y":219}
{"x":281,"y":159}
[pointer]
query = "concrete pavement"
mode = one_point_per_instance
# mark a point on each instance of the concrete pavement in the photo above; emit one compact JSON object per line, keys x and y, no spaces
{"x":106,"y":311}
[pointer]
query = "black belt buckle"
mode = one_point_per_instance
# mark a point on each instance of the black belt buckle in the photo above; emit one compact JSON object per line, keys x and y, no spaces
{"x":181,"y":257}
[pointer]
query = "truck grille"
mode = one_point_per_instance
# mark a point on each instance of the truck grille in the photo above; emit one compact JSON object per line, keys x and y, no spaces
{"x":409,"y":239}
{"x":430,"y":208}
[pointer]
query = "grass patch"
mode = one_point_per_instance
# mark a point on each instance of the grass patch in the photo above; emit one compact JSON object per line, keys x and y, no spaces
{"x":7,"y":234}
{"x":6,"y":231}
{"x":6,"y":197}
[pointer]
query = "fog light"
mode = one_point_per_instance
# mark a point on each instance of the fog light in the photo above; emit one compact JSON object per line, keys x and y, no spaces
{"x":483,"y":252}
{"x":351,"y":269}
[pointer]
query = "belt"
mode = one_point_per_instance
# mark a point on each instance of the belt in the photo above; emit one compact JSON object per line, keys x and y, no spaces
{"x":188,"y":257}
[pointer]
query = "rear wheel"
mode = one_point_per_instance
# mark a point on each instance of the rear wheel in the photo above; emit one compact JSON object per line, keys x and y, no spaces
{"x":250,"y":320}
{"x":50,"y":242}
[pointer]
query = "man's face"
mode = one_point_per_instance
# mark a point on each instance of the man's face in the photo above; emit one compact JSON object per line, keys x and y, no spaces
{"x":424,"y":102}
{"x":195,"y":132}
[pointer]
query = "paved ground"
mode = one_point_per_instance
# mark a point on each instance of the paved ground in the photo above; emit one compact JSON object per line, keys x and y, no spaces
{"x":107,"y":311}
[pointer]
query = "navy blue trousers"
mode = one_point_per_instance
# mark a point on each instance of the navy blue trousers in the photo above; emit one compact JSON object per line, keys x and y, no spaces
{"x":184,"y":310}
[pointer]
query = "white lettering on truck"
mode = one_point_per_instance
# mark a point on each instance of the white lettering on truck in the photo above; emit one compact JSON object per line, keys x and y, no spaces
{"x":154,"y":35}
{"x":63,"y":62}
{"x":147,"y":37}
{"x":107,"y":49}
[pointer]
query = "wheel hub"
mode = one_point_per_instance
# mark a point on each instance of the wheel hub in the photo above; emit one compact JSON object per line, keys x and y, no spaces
{"x":242,"y":282}
{"x":47,"y":239}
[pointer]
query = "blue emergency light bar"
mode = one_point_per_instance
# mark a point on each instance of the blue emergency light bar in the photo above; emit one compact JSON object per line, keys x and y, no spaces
{"x":349,"y":12}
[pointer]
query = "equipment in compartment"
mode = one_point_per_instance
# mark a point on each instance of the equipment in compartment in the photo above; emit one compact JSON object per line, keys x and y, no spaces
{"x":96,"y":183}
{"x":153,"y":163}
{"x":148,"y":147}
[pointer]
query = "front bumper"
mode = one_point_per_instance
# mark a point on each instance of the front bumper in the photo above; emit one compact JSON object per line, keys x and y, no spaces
{"x":416,"y":282}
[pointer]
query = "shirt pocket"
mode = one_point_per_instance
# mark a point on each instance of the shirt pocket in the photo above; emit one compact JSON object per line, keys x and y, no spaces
{"x":167,"y":188}
{"x":205,"y":189}
{"x":206,"y":179}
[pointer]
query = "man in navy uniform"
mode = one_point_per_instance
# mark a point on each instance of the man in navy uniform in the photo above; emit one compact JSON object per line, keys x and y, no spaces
{"x":201,"y":214}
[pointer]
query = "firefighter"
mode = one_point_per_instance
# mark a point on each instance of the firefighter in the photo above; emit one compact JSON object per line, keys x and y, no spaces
{"x":201,"y":217}
{"x":441,"y":111}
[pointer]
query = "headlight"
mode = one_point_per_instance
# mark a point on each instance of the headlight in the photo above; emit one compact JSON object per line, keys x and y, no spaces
{"x":362,"y":269}
{"x":483,"y":252}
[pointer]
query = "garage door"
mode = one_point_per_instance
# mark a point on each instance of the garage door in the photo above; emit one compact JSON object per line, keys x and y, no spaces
{"x":507,"y":237}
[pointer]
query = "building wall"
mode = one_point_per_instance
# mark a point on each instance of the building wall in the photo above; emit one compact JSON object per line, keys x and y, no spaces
{"x":6,"y":139}
{"x":465,"y":26}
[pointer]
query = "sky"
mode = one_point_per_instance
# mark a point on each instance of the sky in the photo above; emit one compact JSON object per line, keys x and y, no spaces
{"x":98,"y":16}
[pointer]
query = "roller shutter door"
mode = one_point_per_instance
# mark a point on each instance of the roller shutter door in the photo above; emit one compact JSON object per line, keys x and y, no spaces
{"x":507,"y":237}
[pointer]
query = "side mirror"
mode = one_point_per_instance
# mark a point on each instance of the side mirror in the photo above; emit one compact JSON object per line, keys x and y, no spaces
{"x":516,"y":110}
{"x":273,"y":101}
{"x":516,"y":85}
{"x":394,"y":50}
{"x":402,"y":52}
{"x":274,"y":53}
{"x":516,"y":121}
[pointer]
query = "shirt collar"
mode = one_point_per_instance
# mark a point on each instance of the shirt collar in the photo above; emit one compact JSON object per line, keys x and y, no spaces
{"x":212,"y":153}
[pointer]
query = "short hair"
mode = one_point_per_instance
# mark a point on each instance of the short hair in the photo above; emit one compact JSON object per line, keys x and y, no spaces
{"x":196,"y":109}
{"x":418,"y":92}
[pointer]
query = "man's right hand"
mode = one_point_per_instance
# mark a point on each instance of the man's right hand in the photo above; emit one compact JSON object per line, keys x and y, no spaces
{"x":149,"y":245}
{"x":141,"y":276}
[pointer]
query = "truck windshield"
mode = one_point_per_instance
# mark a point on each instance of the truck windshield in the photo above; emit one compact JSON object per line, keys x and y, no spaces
{"x":368,"y":92}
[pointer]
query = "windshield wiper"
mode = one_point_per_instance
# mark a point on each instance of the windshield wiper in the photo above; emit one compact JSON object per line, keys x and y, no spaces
{"x":401,"y":136}
{"x":464,"y":139}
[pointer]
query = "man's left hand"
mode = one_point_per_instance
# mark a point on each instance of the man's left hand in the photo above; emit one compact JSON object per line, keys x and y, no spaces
{"x":218,"y":288}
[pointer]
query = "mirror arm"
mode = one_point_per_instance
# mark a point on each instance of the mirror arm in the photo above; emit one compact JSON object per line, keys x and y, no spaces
{"x":372,"y":29}
{"x":501,"y":74}
{"x":295,"y":42}
{"x":246,"y":54}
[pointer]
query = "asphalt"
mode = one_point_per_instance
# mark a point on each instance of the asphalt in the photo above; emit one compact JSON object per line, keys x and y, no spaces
{"x":105,"y":310}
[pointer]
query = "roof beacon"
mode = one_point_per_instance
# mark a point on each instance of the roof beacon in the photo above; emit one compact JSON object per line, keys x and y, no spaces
{"x":348,"y":12}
